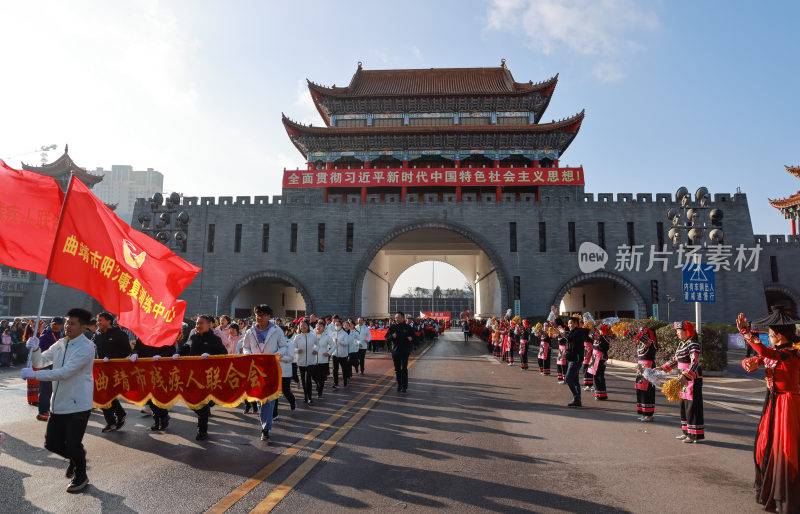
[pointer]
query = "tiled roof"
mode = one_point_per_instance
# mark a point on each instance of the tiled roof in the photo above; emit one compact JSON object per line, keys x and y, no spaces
{"x":435,"y":81}
{"x":794,"y":170}
{"x":783,"y":203}
{"x":63,"y":166}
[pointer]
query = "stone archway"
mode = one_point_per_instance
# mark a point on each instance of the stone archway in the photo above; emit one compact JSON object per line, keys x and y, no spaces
{"x":268,"y":274}
{"x":780,"y":289}
{"x":363,"y":266}
{"x":598,"y":276}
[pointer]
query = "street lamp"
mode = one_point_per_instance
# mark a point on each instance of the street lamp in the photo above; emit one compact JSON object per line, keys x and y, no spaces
{"x":164,"y":225}
{"x":688,"y":222}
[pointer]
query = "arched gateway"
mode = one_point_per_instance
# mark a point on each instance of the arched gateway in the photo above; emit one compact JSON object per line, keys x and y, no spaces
{"x":280,"y":290}
{"x":425,"y":240}
{"x":603,"y":294}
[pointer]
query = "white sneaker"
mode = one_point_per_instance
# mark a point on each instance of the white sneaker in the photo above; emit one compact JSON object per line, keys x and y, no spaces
{"x":586,"y":388}
{"x":647,"y":419}
{"x":681,"y":437}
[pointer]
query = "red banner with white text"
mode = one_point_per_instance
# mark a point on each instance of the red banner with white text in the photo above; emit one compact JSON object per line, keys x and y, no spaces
{"x":226,"y":380}
{"x":422,"y":177}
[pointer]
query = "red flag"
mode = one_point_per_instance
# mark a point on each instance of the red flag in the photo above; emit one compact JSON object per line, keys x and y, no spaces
{"x":131,"y":274}
{"x":29,"y":210}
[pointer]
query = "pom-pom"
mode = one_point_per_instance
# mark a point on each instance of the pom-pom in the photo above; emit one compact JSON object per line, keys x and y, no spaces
{"x":537,"y":328}
{"x":588,"y":325}
{"x":619,"y":329}
{"x":672,"y":389}
{"x":516,"y":319}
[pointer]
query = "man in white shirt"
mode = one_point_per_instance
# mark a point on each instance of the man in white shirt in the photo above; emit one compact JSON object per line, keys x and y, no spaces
{"x":363,"y":335}
{"x":263,"y":337}
{"x":72,"y":358}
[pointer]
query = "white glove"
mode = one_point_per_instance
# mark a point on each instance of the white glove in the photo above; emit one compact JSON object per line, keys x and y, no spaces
{"x":32,"y":344}
{"x":175,"y":356}
{"x":105,"y":359}
{"x":133,"y":357}
{"x":205,"y":355}
{"x":156,"y":357}
{"x":28,"y":373}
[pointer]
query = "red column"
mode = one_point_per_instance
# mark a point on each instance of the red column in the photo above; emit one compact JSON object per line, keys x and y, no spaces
{"x":309,"y":165}
{"x":458,"y":193}
{"x":496,"y":163}
{"x":363,"y":195}
{"x":326,"y":195}
{"x":328,"y":165}
{"x":555,"y":163}
{"x":458,"y":163}
{"x":403,"y":191}
{"x":499,"y":193}
{"x":536,"y":163}
{"x":405,"y":164}
{"x":367,"y":165}
{"x":794,"y":226}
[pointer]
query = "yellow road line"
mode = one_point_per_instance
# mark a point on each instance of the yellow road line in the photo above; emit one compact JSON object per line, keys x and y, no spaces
{"x":251,"y":483}
{"x":280,"y":492}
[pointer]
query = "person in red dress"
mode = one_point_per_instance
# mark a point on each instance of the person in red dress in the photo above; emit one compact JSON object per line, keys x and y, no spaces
{"x":776,"y":450}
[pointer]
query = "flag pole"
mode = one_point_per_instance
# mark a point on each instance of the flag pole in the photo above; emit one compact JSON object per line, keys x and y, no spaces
{"x":38,"y":317}
{"x":47,"y":280}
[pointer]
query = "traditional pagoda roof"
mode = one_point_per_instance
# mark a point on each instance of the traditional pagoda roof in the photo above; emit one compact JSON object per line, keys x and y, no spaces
{"x":63,"y":166}
{"x":432,"y":82}
{"x":789,"y":206}
{"x":309,"y":138}
{"x":436,"y":81}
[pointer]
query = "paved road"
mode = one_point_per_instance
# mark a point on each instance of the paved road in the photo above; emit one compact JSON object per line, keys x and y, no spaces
{"x":471,"y":434}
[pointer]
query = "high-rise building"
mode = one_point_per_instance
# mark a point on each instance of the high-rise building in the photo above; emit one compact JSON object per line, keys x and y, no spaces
{"x":122,"y":185}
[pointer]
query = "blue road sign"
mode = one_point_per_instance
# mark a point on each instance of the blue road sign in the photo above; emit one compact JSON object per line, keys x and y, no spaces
{"x":699,"y":284}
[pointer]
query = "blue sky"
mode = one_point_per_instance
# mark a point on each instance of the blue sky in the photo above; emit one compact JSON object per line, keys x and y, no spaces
{"x":676,"y":92}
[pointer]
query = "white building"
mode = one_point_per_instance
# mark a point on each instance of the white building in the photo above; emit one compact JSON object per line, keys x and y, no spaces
{"x":122,"y":186}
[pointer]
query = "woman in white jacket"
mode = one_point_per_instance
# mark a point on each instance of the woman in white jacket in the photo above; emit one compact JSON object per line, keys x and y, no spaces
{"x":286,"y":352}
{"x":353,"y":349}
{"x":341,"y":353}
{"x":325,"y":348}
{"x":306,"y":344}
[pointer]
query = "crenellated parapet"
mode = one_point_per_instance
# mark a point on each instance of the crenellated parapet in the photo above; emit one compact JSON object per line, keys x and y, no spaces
{"x":776,"y":240}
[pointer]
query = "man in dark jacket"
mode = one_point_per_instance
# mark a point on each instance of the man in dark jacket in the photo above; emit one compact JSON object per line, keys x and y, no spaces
{"x":160,"y":416}
{"x":111,"y":343}
{"x":575,"y":336}
{"x":401,"y":336}
{"x":204,"y":342}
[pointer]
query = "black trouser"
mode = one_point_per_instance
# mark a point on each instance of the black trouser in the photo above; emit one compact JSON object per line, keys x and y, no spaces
{"x":466,"y":336}
{"x":114,"y":413}
{"x":64,"y":437}
{"x":401,"y":367}
{"x":286,"y":385}
{"x":294,"y":372}
{"x":306,"y":373}
{"x":45,"y":392}
{"x":362,"y":358}
{"x":159,"y":415}
{"x":344,"y":363}
{"x":202,"y":417}
{"x":353,"y":359}
{"x":320,"y":375}
{"x":600,"y":381}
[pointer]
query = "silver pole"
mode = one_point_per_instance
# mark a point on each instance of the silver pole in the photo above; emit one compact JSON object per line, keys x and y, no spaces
{"x":698,"y":320}
{"x":38,"y":317}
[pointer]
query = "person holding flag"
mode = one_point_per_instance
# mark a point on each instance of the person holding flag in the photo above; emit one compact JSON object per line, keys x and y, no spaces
{"x":72,"y":358}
